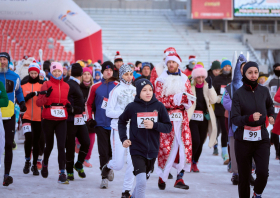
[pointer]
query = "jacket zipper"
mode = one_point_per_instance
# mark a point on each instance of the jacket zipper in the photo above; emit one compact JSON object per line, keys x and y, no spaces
{"x":148,"y":136}
{"x":59,"y":91}
{"x":32,"y":105}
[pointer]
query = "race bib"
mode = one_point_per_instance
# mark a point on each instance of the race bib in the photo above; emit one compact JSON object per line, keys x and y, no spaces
{"x":58,"y":112}
{"x":276,"y":108}
{"x":26,"y":127}
{"x":153,"y":116}
{"x":252,"y":133}
{"x":222,"y":90}
{"x":176,"y":115}
{"x":79,"y":119}
{"x":104,"y":103}
{"x":273,"y":89}
{"x":198,"y":116}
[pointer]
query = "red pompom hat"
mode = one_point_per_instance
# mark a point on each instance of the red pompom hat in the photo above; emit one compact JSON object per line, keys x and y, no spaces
{"x":118,"y":57}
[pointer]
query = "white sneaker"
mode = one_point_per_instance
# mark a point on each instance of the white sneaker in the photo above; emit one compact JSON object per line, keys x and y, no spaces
{"x":111,"y":175}
{"x":104,"y":184}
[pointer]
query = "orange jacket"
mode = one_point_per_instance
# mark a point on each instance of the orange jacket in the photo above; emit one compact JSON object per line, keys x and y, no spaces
{"x":33,"y":112}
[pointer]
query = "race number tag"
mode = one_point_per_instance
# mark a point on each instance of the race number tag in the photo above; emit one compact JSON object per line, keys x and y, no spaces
{"x":26,"y":127}
{"x":252,"y":133}
{"x":176,"y":115}
{"x":58,"y":112}
{"x":222,"y":90}
{"x":273,"y":89}
{"x":198,"y":116}
{"x":276,"y":108}
{"x":79,"y":119}
{"x":104,"y":103}
{"x":153,"y":116}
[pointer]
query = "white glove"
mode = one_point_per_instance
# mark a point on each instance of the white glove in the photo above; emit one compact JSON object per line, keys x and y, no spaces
{"x":187,"y":105}
{"x":178,"y":99}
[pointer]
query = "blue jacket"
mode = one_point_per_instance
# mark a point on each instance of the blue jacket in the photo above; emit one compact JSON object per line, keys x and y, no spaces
{"x":11,"y":82}
{"x":144,"y":142}
{"x":136,"y":75}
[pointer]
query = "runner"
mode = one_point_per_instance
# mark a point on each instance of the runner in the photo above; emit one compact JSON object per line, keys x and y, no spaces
{"x":31,"y":120}
{"x":146,"y":71}
{"x":118,"y":62}
{"x":54,"y":117}
{"x":144,"y":136}
{"x":11,"y":83}
{"x":76,"y":127}
{"x":250,"y":106}
{"x":123,"y":94}
{"x":97,"y":104}
{"x":173,"y":89}
{"x":190,"y":66}
{"x":4,"y":101}
{"x":201,"y":115}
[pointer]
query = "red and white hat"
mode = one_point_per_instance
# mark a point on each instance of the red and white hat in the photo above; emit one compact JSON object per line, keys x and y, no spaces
{"x":192,"y":58}
{"x":34,"y":67}
{"x":118,"y":57}
{"x":174,"y":57}
{"x":170,"y":50}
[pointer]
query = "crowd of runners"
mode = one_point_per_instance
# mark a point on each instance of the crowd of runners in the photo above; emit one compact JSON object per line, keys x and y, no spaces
{"x":149,"y":117}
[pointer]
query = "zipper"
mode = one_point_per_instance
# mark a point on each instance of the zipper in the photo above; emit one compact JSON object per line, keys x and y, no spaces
{"x":147,"y":136}
{"x":59,"y":91}
{"x":32,"y":105}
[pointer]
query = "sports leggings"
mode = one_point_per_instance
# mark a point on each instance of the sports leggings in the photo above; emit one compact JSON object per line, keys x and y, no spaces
{"x":9,"y":126}
{"x":221,"y":120}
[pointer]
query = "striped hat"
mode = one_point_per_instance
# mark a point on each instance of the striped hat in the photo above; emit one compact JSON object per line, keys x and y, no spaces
{"x":118,"y":57}
{"x":34,"y":67}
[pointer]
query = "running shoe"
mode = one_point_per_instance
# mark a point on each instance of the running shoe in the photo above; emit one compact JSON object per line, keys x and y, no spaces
{"x":35,"y":171}
{"x":26,"y":168}
{"x":111,"y":175}
{"x":255,"y":196}
{"x":70,"y":176}
{"x":81,"y":172}
{"x":161,"y":184}
{"x":44,"y":171}
{"x":170,"y":176}
{"x":252,"y":180}
{"x":39,"y":165}
{"x":180,"y":184}
{"x":216,"y":152}
{"x":14,"y":145}
{"x":235,"y":179}
{"x":87,"y":164}
{"x":104,"y":184}
{"x":226,"y":159}
{"x":125,"y":194}
{"x":62,"y":179}
{"x":7,"y":180}
{"x":194,"y":168}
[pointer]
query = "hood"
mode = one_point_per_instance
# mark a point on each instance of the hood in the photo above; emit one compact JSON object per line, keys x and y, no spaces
{"x":237,"y":77}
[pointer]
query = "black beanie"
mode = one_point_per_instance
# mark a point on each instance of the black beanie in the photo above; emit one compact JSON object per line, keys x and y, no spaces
{"x":46,"y":65}
{"x":140,"y":84}
{"x":76,"y":70}
{"x":248,"y":65}
{"x":276,"y":65}
{"x":6,"y":55}
{"x":107,"y":65}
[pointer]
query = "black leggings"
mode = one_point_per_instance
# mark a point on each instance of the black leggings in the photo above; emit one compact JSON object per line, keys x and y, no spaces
{"x":245,"y":151}
{"x":42,"y":141}
{"x":9,"y":126}
{"x":199,"y":134}
{"x":221,"y":120}
{"x":32,"y":139}
{"x":81,"y":132}
{"x":59,"y":128}
{"x":275,"y":141}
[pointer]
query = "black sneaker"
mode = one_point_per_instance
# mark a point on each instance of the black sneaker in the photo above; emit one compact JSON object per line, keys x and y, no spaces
{"x":44,"y":171}
{"x":81,"y":172}
{"x":161,"y":184}
{"x":235,"y":179}
{"x":252,"y":181}
{"x":105,"y":171}
{"x":26,"y":168}
{"x":125,"y":194}
{"x":35,"y":171}
{"x":170,"y":176}
{"x":7,"y":180}
{"x":70,"y":176}
{"x":62,"y":179}
{"x":180,"y":184}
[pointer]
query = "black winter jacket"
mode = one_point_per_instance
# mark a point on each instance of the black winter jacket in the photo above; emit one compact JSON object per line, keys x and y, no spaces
{"x":76,"y":98}
{"x":246,"y":102}
{"x":222,"y":79}
{"x":144,"y":142}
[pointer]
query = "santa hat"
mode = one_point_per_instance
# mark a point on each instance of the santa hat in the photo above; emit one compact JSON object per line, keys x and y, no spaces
{"x":174,"y":57}
{"x":28,"y":61}
{"x":118,"y":57}
{"x":34,"y":67}
{"x":198,"y":70}
{"x":192,"y":58}
{"x":170,"y":50}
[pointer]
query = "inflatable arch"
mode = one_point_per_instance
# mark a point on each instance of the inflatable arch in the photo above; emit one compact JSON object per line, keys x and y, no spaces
{"x":66,"y":15}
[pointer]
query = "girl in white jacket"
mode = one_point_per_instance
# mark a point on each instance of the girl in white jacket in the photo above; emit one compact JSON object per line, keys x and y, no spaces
{"x":123,"y":94}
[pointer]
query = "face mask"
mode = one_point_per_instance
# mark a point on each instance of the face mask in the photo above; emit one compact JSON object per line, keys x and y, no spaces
{"x":226,"y":72}
{"x":277,"y":72}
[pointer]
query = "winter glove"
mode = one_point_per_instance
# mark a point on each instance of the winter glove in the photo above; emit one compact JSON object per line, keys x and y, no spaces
{"x":91,"y":123}
{"x":219,"y":99}
{"x":29,"y":96}
{"x":49,"y":91}
{"x":209,"y":81}
{"x":42,"y":92}
{"x":22,"y":106}
{"x":69,"y":108}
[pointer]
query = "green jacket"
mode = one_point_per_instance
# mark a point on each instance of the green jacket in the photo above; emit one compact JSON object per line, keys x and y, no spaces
{"x":4,"y":101}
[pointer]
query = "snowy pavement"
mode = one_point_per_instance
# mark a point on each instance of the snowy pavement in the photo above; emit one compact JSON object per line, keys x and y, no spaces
{"x":212,"y":181}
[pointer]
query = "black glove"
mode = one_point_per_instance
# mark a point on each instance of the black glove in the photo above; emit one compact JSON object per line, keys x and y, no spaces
{"x":29,"y":96}
{"x":209,"y":81}
{"x":49,"y":91}
{"x":69,"y":108}
{"x":22,"y":106}
{"x":42,"y":92}
{"x":91,"y":123}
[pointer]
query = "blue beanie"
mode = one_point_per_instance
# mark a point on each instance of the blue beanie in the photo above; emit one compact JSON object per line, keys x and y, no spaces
{"x":146,"y":64}
{"x":140,"y":84}
{"x":224,"y":63}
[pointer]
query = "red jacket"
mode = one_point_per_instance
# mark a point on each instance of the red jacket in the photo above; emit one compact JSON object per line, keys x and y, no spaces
{"x":58,"y":95}
{"x":276,"y":127}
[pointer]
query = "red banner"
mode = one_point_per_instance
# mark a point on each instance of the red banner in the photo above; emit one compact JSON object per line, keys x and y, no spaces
{"x":212,"y":9}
